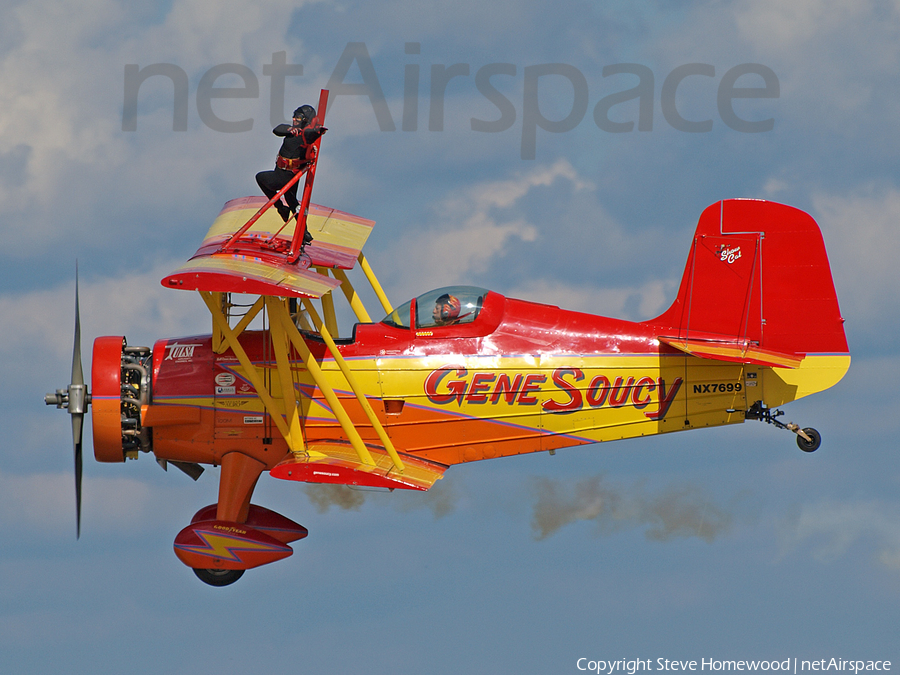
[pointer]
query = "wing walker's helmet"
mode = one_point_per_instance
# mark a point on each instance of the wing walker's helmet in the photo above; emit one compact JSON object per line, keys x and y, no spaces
{"x":305,"y":113}
{"x":447,"y":308}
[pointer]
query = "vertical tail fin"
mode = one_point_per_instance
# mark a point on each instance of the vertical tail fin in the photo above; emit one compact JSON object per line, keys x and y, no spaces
{"x":757,"y":288}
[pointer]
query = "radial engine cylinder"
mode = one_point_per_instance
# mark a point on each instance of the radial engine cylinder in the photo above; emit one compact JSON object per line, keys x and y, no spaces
{"x":120,"y":378}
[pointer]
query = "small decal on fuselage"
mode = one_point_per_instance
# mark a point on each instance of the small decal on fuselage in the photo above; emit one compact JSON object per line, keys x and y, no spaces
{"x":177,"y":351}
{"x":225,"y":379}
{"x":231,"y":403}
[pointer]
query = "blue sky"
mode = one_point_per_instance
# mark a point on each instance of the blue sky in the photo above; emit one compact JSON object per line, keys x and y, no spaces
{"x":794,"y":555}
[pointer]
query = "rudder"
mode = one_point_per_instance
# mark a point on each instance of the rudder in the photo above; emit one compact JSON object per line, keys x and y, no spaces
{"x":757,"y":275}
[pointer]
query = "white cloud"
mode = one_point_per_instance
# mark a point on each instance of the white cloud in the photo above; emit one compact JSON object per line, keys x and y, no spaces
{"x":453,"y":256}
{"x":862,"y":233}
{"x":835,"y":61}
{"x":632,"y":303}
{"x":504,"y":194}
{"x":780,"y":26}
{"x":774,"y":186}
{"x":831,"y":528}
{"x":70,"y":165}
{"x":37,"y":345}
{"x":472,"y":229}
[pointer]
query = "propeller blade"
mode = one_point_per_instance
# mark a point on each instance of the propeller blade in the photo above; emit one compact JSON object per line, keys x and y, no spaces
{"x":77,"y":372}
{"x":77,"y":422}
{"x":75,"y":399}
{"x":77,"y":405}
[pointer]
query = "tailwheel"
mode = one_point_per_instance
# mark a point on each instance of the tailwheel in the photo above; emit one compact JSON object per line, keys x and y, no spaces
{"x":809,"y":440}
{"x":218,"y":577}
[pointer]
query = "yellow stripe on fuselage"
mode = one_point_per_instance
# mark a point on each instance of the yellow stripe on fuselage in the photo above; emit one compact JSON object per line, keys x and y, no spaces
{"x":458,"y":409}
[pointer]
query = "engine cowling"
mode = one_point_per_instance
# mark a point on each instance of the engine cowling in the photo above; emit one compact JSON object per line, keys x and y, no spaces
{"x":120,"y":377}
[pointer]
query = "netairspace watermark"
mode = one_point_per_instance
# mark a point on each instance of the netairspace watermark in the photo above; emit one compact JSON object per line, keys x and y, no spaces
{"x":540,"y":85}
{"x":791,"y":665}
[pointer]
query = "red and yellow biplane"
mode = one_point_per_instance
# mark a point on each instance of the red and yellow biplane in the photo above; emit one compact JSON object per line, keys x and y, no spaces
{"x":454,"y":375}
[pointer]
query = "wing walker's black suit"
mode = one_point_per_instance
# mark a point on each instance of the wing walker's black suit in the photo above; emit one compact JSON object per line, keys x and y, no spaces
{"x":292,"y":155}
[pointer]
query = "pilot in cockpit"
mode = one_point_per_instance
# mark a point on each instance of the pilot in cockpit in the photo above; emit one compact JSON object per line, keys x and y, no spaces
{"x":446,"y":310}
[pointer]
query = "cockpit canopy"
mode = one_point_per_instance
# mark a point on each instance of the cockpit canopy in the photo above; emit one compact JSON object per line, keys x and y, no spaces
{"x":448,"y":306}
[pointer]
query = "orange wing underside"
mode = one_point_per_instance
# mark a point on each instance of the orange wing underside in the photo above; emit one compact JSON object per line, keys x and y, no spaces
{"x":337,"y":463}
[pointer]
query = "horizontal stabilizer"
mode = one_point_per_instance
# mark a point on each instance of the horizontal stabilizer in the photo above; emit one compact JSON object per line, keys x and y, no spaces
{"x":339,"y":464}
{"x":734,"y":352}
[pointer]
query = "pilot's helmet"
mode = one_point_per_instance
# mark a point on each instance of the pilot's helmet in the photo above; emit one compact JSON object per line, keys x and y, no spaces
{"x":305,"y":113}
{"x":446,"y":308}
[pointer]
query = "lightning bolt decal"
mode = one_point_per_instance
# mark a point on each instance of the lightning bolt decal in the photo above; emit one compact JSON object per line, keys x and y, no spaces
{"x":223,"y":545}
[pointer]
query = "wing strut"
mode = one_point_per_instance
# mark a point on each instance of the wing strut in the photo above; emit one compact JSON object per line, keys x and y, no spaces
{"x":373,"y":280}
{"x":283,"y":326}
{"x":354,"y":386}
{"x":269,"y":266}
{"x":219,"y":344}
{"x":287,"y":417}
{"x":289,"y":393}
{"x":231,"y":339}
{"x":352,"y":296}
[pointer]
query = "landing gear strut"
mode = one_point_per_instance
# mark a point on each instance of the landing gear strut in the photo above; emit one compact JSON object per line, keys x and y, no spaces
{"x":808,"y":439}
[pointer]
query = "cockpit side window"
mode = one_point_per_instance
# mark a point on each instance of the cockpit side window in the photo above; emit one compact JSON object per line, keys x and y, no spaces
{"x":448,"y":306}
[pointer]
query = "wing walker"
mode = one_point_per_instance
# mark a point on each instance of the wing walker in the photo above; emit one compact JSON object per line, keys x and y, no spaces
{"x":457,"y":374}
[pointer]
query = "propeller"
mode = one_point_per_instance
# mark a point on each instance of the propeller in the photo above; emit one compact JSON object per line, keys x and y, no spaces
{"x":76,"y":399}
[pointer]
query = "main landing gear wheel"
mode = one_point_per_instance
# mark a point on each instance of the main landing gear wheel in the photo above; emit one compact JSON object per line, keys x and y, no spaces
{"x":218,"y":577}
{"x":815,"y":440}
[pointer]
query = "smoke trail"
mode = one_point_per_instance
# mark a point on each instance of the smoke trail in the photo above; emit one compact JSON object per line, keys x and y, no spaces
{"x":440,"y":499}
{"x":665,"y":514}
{"x":324,"y":496}
{"x":683,"y":511}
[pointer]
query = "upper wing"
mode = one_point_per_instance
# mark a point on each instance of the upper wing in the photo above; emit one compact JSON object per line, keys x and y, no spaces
{"x":257,"y":263}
